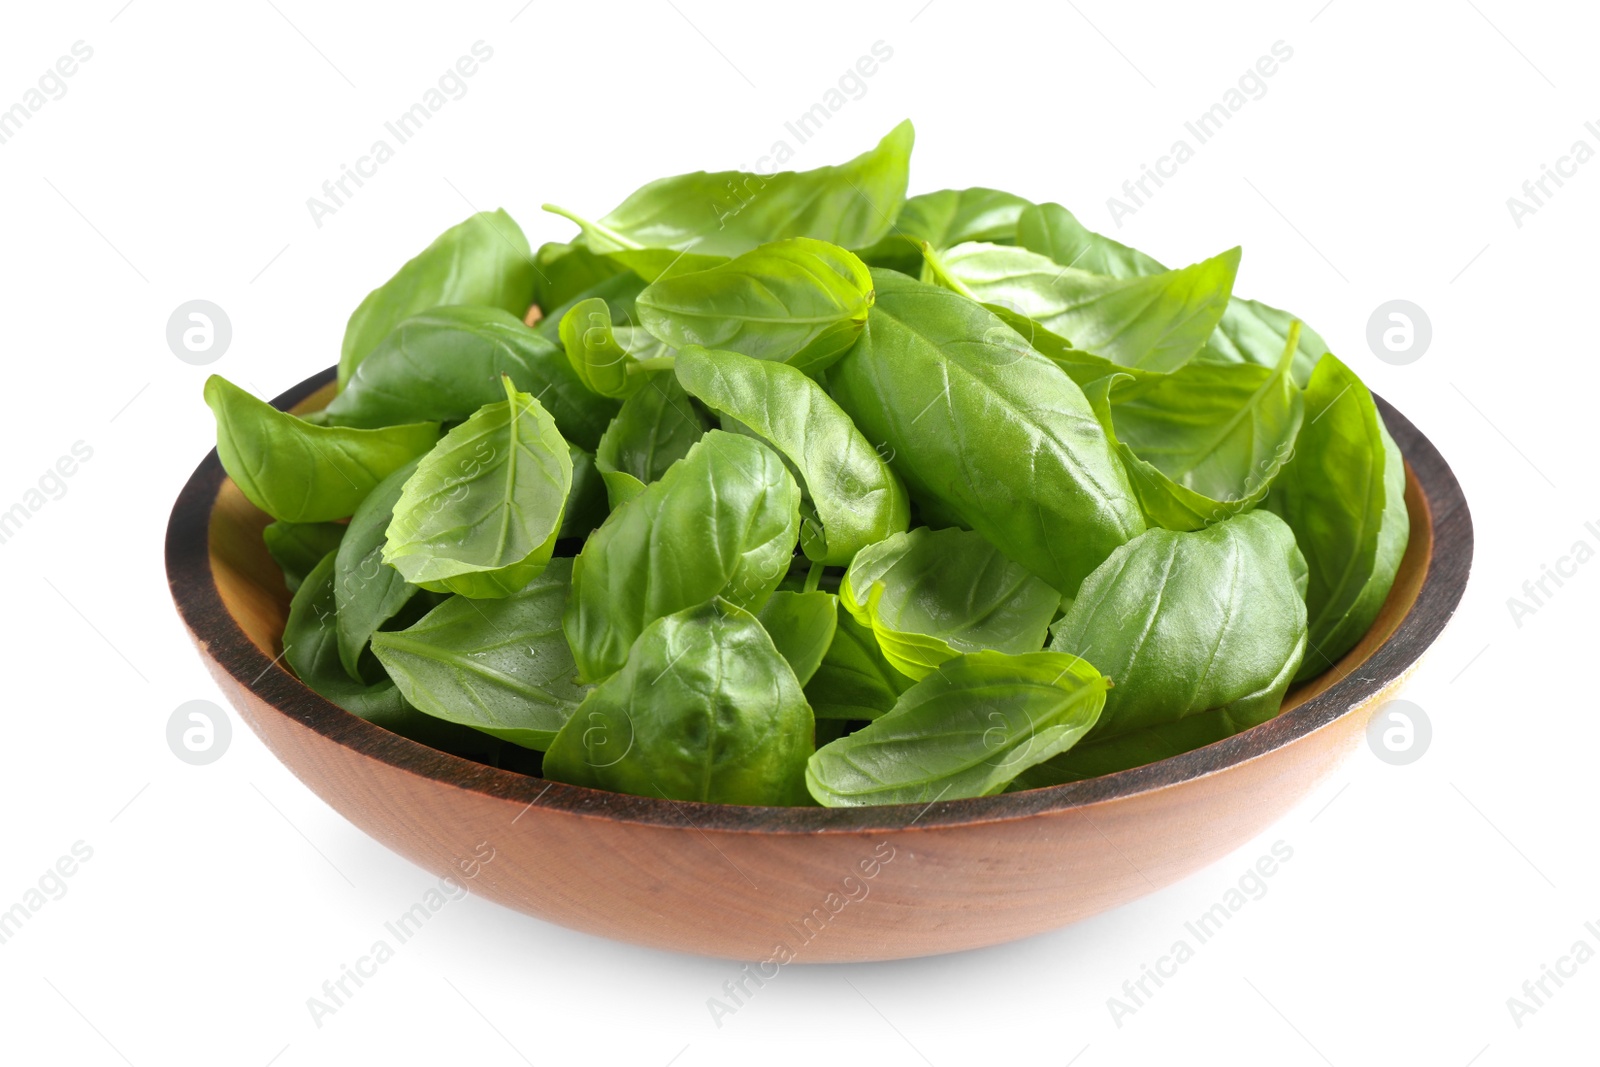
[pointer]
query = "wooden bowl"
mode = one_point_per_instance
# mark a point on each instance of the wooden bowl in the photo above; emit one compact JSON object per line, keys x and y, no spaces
{"x":805,"y":884}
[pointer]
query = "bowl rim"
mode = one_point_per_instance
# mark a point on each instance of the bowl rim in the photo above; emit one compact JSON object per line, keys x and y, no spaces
{"x":220,"y":637}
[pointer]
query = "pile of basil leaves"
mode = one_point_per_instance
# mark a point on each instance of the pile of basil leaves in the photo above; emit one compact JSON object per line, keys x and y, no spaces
{"x":787,"y":489}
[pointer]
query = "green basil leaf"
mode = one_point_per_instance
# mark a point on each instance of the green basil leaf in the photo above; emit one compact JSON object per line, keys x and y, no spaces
{"x":445,"y":364}
{"x":299,"y":546}
{"x":311,"y":649}
{"x":1248,"y":332}
{"x":854,"y":679}
{"x":722,"y":521}
{"x":1154,"y":322}
{"x":484,"y":260}
{"x":801,"y":625}
{"x":367,"y":591}
{"x":1204,"y":442}
{"x":566,"y":272}
{"x":798,"y":301}
{"x":945,"y":219}
{"x":1191,"y":623}
{"x":986,"y":426}
{"x":964,"y":731}
{"x":587,"y":505}
{"x":931,"y":595}
{"x":602,"y":357}
{"x":1085,"y":368}
{"x":482,"y":512}
{"x":858,"y":500}
{"x":1343,"y":495}
{"x":727,"y":213}
{"x":705,"y":708}
{"x":655,"y":428}
{"x":619,"y":291}
{"x":299,"y":472}
{"x":501,"y":666}
{"x":1053,"y":231}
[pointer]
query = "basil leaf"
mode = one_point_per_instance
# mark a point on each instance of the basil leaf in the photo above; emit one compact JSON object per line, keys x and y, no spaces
{"x":1248,"y":332}
{"x":988,"y":428}
{"x":500,"y":666}
{"x":566,"y":272}
{"x":858,"y":500}
{"x":854,"y":679}
{"x":299,"y":472}
{"x":604,"y":358}
{"x":1205,"y":441}
{"x":798,"y":301}
{"x":484,"y":260}
{"x":1154,"y":322}
{"x":704,"y":709}
{"x":299,"y":546}
{"x":655,"y":428}
{"x":367,"y":591}
{"x":945,"y":219}
{"x":1212,"y":621}
{"x":802,"y":626}
{"x":587,"y":506}
{"x":445,"y":364}
{"x":1343,"y":495}
{"x":1053,"y":231}
{"x":931,"y":595}
{"x":727,"y":213}
{"x":481,"y":514}
{"x":311,"y":649}
{"x":722,"y":521}
{"x":964,"y":731}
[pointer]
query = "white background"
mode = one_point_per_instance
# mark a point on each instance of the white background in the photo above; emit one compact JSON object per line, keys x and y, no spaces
{"x":1377,"y":166}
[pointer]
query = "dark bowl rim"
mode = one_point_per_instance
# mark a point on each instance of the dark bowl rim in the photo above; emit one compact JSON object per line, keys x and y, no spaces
{"x":199,"y":603}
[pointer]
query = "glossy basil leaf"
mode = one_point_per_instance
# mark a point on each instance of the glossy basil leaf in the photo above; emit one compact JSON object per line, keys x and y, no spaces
{"x":728,"y":213}
{"x":1085,"y":368}
{"x":367,"y":591}
{"x":587,"y":503}
{"x":482,"y":512}
{"x":501,"y":666}
{"x":931,"y":595}
{"x":311,"y":650}
{"x":989,"y":428}
{"x":705,"y":708}
{"x":722,"y":521}
{"x":1192,"y":623}
{"x":299,"y":472}
{"x":484,"y":260}
{"x":297,"y":547}
{"x":1248,"y":332}
{"x":618,"y":291}
{"x":802,"y":626}
{"x":655,"y":428}
{"x":854,"y":679}
{"x":857,"y":499}
{"x":1154,"y":322}
{"x":964,"y":731}
{"x":945,"y":219}
{"x":1054,"y":232}
{"x":1343,"y":495}
{"x":566,"y":272}
{"x":1204,"y":442}
{"x":798,"y":301}
{"x":601,"y":356}
{"x":445,"y":364}
{"x":1251,"y":331}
